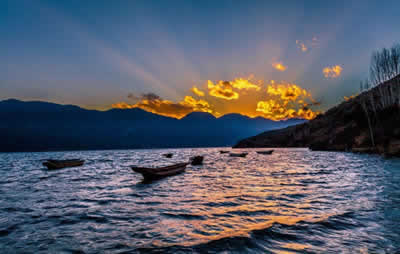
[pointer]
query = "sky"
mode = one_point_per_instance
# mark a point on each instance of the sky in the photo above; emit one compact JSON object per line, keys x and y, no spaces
{"x":276,"y":59}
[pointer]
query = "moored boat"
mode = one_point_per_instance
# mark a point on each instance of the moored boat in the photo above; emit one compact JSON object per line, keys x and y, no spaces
{"x":265,"y":152}
{"x":238,"y":154}
{"x":157,"y":173}
{"x":58,"y":164}
{"x":168,"y":155}
{"x":223,"y":151}
{"x":197,"y":160}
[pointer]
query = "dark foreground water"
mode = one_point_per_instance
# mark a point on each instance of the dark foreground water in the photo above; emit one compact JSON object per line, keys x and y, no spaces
{"x":294,"y":201}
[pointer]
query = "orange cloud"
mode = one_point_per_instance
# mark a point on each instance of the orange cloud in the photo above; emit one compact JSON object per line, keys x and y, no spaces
{"x":347,"y":98}
{"x":222,"y":89}
{"x":197,"y":105}
{"x":332,"y":72}
{"x":277,"y":111}
{"x":288,"y":101}
{"x":279,"y":100}
{"x":287,"y":91}
{"x":197,"y":91}
{"x":155,"y":104}
{"x":279,"y":66}
{"x":122,"y":105}
{"x":241,"y":83}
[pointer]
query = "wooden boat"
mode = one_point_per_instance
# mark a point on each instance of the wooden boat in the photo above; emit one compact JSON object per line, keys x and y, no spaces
{"x":168,"y":155}
{"x":157,"y":173}
{"x":196,"y":160}
{"x":57,"y":164}
{"x":238,"y":154}
{"x":223,"y":151}
{"x":265,"y":152}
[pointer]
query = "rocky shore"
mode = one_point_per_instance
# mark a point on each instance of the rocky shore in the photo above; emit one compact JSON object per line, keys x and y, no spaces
{"x":367,"y":123}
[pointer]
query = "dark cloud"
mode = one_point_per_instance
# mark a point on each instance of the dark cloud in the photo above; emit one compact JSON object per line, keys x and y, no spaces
{"x":150,"y":97}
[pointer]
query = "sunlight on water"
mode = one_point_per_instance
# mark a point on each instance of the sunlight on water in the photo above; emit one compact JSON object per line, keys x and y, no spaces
{"x":291,"y":201}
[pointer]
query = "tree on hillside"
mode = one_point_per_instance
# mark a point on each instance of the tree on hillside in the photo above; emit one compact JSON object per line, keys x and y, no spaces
{"x":385,"y":64}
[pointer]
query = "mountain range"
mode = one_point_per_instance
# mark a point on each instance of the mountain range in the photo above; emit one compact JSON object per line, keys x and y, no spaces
{"x":44,"y":126}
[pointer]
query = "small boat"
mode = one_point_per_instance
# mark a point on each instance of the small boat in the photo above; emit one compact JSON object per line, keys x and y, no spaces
{"x":223,"y":151}
{"x":157,"y":173}
{"x":168,"y":155}
{"x":196,"y":160}
{"x":57,"y":164}
{"x":238,"y":154}
{"x":265,"y":152}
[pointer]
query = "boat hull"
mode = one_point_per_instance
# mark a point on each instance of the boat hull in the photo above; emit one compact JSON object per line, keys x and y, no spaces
{"x":265,"y":152}
{"x":238,"y":155}
{"x":158,"y":173}
{"x":59,"y":164}
{"x":197,"y":160}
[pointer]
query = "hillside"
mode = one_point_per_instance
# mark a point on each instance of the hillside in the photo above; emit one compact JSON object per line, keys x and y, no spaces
{"x":368,"y":123}
{"x":43,"y":126}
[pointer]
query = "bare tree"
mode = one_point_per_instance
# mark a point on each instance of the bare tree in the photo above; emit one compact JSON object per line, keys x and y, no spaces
{"x":385,"y":64}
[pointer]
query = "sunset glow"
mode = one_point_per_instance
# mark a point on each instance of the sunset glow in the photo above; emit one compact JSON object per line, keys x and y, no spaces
{"x":275,"y":100}
{"x":333,"y":71}
{"x":279,"y":66}
{"x":197,"y":91}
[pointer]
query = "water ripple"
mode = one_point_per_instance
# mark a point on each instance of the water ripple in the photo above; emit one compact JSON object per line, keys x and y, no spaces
{"x":293,"y":201}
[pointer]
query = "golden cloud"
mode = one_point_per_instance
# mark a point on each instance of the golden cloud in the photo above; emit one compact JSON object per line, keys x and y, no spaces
{"x":241,"y":83}
{"x":288,"y":101}
{"x":222,"y":89}
{"x":122,"y":105}
{"x":287,"y":91}
{"x":155,"y":104}
{"x":279,"y":66}
{"x":197,"y":91}
{"x":276,"y":111}
{"x":332,"y":71}
{"x":347,"y":98}
{"x":279,"y":100}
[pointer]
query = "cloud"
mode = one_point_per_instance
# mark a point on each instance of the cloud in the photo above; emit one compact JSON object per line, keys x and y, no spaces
{"x":287,"y":101}
{"x":241,"y":83}
{"x":276,"y":100}
{"x":332,"y":71}
{"x":197,"y":105}
{"x":305,"y":46}
{"x":314,"y":41}
{"x":301,"y":46}
{"x":155,"y":104}
{"x":222,"y":89}
{"x":133,"y":96}
{"x":150,"y":96}
{"x":144,"y":96}
{"x":197,"y":91}
{"x":272,"y":109}
{"x":287,"y":91}
{"x":122,"y":105}
{"x":279,"y":66}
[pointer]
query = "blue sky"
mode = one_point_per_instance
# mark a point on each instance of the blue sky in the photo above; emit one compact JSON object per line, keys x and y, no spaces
{"x":95,"y":53}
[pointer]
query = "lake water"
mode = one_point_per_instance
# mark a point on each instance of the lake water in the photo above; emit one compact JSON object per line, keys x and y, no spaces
{"x":293,"y":201}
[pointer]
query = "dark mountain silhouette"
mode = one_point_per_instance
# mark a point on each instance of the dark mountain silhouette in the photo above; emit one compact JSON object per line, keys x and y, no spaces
{"x":42,"y":126}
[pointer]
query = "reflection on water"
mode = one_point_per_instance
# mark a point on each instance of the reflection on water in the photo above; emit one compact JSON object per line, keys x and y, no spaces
{"x":291,"y":201}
